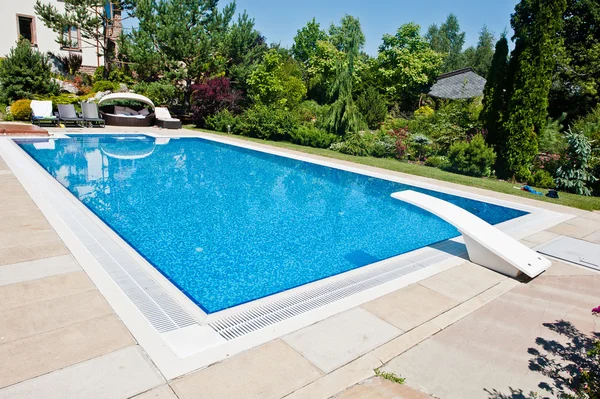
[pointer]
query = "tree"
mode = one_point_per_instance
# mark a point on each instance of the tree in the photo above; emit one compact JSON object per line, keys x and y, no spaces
{"x":494,"y":96}
{"x":181,"y":37}
{"x":276,"y":81}
{"x":25,"y":72}
{"x":342,"y":36}
{"x":322,"y":70}
{"x":211,"y":97}
{"x":536,"y":24}
{"x":406,"y":64}
{"x":344,"y":115}
{"x":372,"y":106}
{"x":89,"y":17}
{"x":574,"y":176}
{"x":448,"y":39}
{"x":305,"y":41}
{"x":480,"y":57}
{"x":576,"y":88}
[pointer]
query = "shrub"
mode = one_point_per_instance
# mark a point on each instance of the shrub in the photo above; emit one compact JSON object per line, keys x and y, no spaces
{"x":25,"y":72}
{"x":472,"y":158}
{"x":221,"y":121}
{"x":420,"y":142}
{"x":551,"y":139}
{"x":372,"y":106}
{"x":356,"y":144}
{"x":116,"y":74}
{"x":313,"y":137}
{"x":401,"y":141}
{"x":384,"y":147}
{"x":212,"y":96}
{"x":71,"y":62}
{"x":542,"y":178}
{"x":21,"y":110}
{"x":438,"y":161}
{"x":590,"y":126}
{"x":64,"y":98}
{"x":424,"y":111}
{"x":267,"y":123}
{"x":575,"y":175}
{"x":105,"y":85}
{"x":161,"y":92}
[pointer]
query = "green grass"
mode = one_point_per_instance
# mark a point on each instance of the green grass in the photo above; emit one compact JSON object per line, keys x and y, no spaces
{"x":389,"y":376}
{"x":572,"y":200}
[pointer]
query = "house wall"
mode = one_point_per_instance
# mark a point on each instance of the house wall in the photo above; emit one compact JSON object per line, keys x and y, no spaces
{"x":45,"y":37}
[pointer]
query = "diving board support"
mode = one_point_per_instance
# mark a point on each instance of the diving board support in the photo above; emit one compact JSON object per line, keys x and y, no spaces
{"x":487,"y":246}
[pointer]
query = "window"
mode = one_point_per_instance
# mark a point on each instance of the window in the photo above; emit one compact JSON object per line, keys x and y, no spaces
{"x":26,"y":28}
{"x":71,"y":39}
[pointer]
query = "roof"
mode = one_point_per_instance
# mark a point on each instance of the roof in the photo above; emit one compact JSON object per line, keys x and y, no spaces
{"x":462,"y":83}
{"x":127,"y":96}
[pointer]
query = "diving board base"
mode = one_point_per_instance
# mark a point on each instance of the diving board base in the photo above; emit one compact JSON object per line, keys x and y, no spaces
{"x":478,"y":254}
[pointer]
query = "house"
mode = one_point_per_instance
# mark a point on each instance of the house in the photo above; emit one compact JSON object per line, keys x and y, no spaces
{"x":18,"y":19}
{"x":462,"y":83}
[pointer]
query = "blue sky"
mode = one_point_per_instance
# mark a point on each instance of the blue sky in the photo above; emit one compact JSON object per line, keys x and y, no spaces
{"x":279,"y":20}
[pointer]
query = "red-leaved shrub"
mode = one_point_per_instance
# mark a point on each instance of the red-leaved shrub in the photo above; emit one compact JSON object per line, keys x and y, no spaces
{"x":212,"y":96}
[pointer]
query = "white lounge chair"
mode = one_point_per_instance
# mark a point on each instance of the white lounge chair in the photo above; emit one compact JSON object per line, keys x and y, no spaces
{"x":164,"y":119}
{"x":487,"y":246}
{"x":41,"y":112}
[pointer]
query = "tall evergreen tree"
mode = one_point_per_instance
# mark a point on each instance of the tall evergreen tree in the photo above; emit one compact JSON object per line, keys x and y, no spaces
{"x":480,"y":57}
{"x":494,"y":97}
{"x":305,"y":41}
{"x":536,"y":24}
{"x":448,"y":39}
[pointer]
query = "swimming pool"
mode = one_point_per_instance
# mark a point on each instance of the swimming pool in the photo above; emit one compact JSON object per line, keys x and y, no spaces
{"x":229,"y":225}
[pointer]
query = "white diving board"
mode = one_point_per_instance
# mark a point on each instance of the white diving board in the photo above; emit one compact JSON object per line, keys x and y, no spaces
{"x":487,"y":246}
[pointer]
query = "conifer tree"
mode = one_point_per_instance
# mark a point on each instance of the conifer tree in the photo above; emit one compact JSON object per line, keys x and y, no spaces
{"x":536,"y":24}
{"x":494,"y":98}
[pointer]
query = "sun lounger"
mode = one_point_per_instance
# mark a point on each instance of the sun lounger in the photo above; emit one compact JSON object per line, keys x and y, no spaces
{"x":67,"y":114}
{"x":487,"y":246}
{"x":41,"y":112}
{"x":164,"y":119}
{"x":90,"y":115}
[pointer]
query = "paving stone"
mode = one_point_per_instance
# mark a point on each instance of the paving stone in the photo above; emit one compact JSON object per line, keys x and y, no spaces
{"x":43,"y":353}
{"x":40,"y":268}
{"x":272,"y":371}
{"x":463,"y":282}
{"x":335,"y":341}
{"x":27,"y":252}
{"x":28,"y":237}
{"x":489,"y":348}
{"x":338,"y":380}
{"x":163,"y":392}
{"x":21,"y":221}
{"x":594,"y":237}
{"x":379,"y":388}
{"x":542,"y":237}
{"x":580,"y":231}
{"x":39,"y":317}
{"x":559,"y":268}
{"x":117,"y":375}
{"x":410,"y":306}
{"x":592,"y":216}
{"x":21,"y":294}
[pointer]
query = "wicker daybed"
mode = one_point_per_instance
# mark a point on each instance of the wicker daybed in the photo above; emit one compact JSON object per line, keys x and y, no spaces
{"x":128,"y":114}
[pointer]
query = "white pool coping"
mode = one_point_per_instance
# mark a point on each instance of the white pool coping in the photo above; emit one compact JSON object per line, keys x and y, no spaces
{"x":197,"y":345}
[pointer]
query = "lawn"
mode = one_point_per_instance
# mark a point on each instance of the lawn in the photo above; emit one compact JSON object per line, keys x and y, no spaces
{"x":576,"y":201}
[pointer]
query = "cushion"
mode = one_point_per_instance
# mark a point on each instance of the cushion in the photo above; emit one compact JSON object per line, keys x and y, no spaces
{"x":119,"y":110}
{"x":131,"y":111}
{"x":144,"y":112}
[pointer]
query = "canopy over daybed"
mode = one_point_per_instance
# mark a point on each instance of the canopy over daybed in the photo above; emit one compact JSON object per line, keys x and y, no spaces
{"x":129,"y":115}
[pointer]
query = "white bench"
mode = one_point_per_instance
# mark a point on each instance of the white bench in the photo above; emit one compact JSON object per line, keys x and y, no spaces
{"x":487,"y":246}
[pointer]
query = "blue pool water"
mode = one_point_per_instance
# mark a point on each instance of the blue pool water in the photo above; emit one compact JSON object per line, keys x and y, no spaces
{"x":228,"y":225}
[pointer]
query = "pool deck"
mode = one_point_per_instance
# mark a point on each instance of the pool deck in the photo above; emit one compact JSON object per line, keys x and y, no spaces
{"x":463,"y":333}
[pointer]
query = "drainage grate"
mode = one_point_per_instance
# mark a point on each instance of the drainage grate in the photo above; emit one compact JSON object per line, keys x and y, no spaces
{"x":243,"y":323}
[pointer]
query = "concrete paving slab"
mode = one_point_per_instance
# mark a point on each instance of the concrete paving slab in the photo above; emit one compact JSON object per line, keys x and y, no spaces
{"x":570,"y":230}
{"x":118,"y":375}
{"x":27,"y":252}
{"x":338,"y":380}
{"x":21,"y":221}
{"x":463,"y":282}
{"x":564,"y":269}
{"x":335,"y":341}
{"x":43,"y":353}
{"x":585,"y":222}
{"x":40,"y":317}
{"x":36,"y":269}
{"x":272,"y":371}
{"x":163,"y":392}
{"x":488,"y":349}
{"x":592,"y":216}
{"x":29,"y":236}
{"x":27,"y":292}
{"x":541,"y":237}
{"x":379,"y":388}
{"x":410,"y":306}
{"x":594,"y":237}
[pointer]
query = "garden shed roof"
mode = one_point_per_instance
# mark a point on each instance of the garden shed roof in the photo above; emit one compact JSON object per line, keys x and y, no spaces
{"x":462,"y":83}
